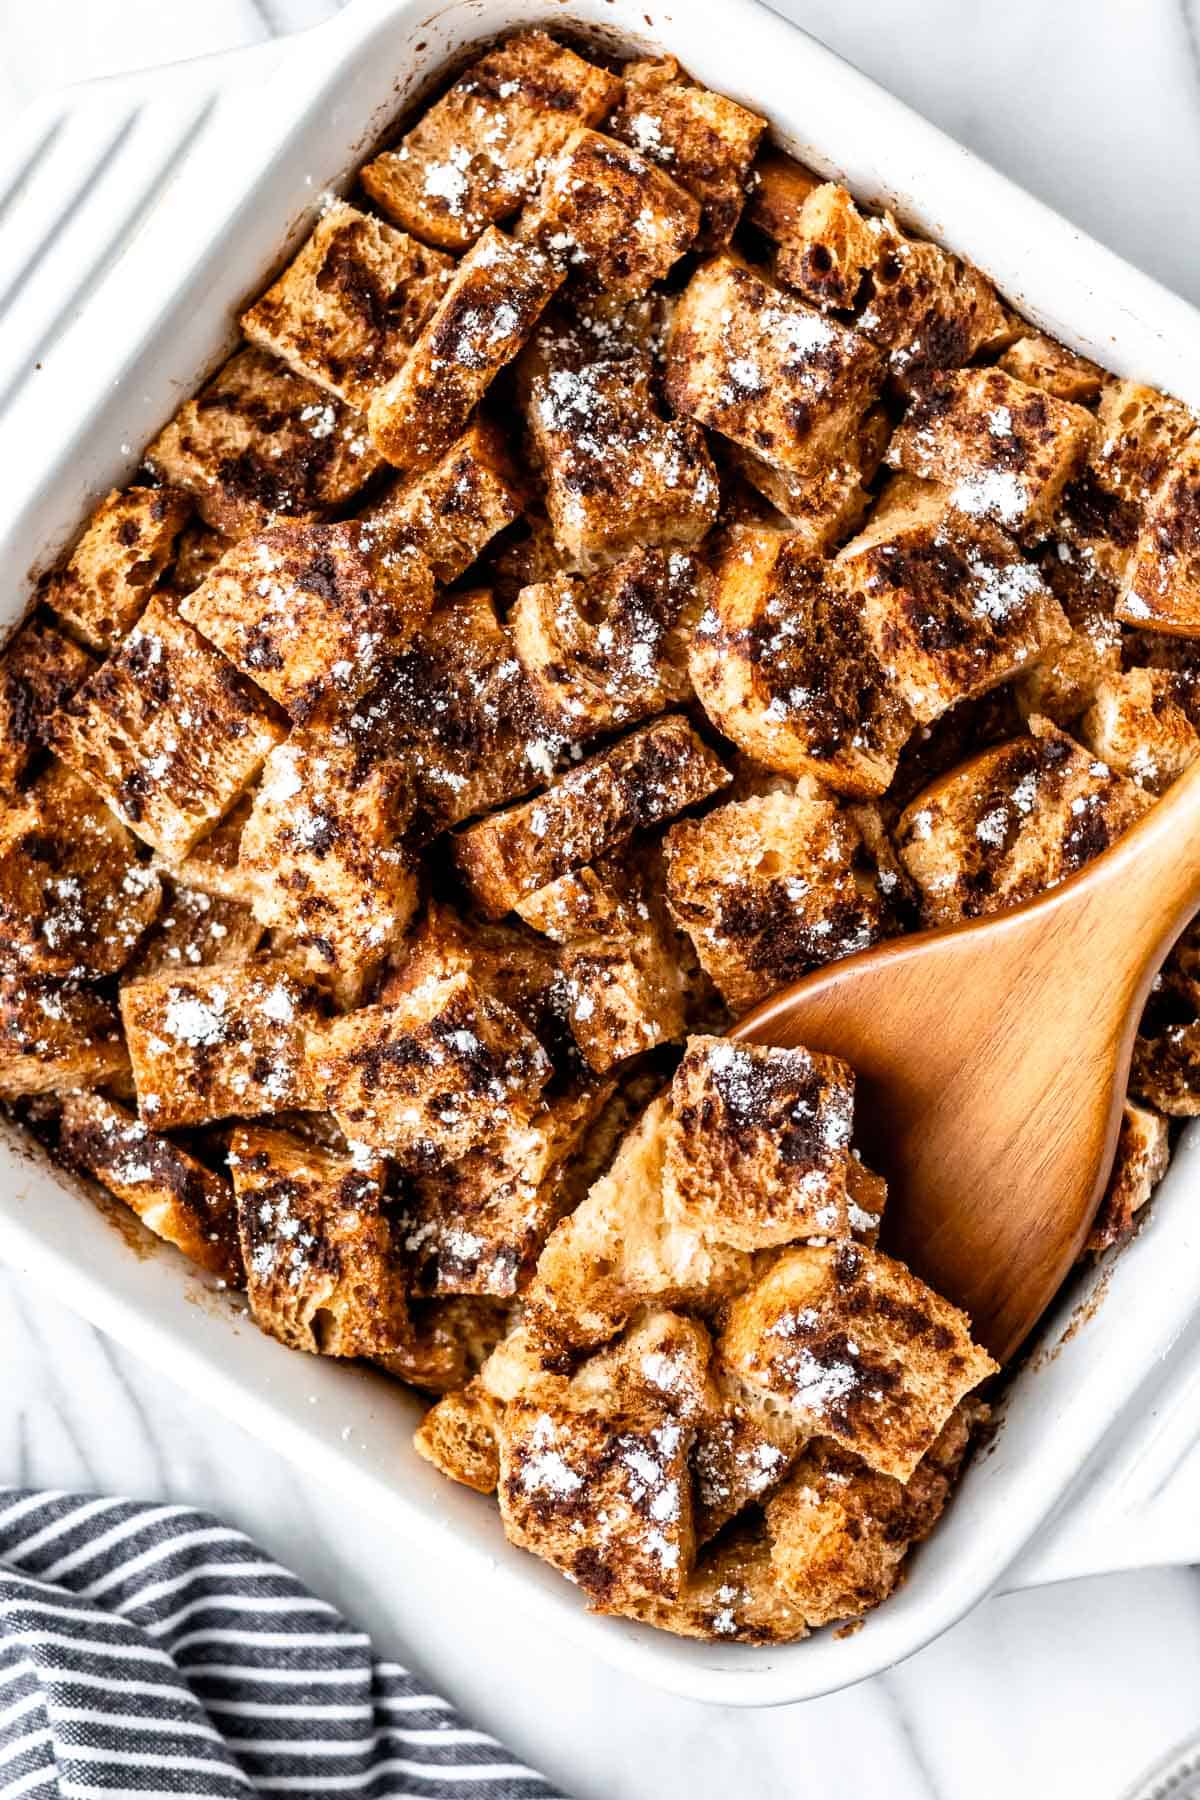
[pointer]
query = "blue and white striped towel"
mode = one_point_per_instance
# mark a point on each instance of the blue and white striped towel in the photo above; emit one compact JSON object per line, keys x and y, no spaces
{"x":151,"y":1651}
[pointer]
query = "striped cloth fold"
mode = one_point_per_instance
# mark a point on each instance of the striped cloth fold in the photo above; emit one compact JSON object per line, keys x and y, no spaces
{"x":152,"y":1651}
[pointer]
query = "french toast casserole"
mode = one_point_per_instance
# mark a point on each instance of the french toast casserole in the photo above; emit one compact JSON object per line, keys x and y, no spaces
{"x":615,"y":574}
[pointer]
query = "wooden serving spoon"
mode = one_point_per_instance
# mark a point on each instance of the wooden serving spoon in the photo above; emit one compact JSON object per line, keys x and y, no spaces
{"x":992,"y":1060}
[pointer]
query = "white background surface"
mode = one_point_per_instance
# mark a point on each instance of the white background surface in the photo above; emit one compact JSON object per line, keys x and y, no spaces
{"x":1068,"y":1692}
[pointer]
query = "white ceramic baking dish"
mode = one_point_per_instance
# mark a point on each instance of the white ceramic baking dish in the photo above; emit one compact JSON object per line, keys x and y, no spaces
{"x":162,"y":320}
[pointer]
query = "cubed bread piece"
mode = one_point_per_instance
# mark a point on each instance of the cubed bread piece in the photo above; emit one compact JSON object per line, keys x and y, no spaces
{"x":1166,"y":1054}
{"x":644,"y":779}
{"x":166,"y":732}
{"x":478,"y":1225}
{"x":39,"y":670}
{"x":1042,"y":362}
{"x":608,"y":651}
{"x":485,"y":315}
{"x":732,"y":1596}
{"x":198,"y":550}
{"x":771,"y":887}
{"x":211,"y":866}
{"x":449,"y":512}
{"x":320,"y":1270}
{"x":477,"y":152}
{"x":840,"y":1531}
{"x":615,"y":221}
{"x":929,"y":309}
{"x":766,"y":370}
{"x":74,"y":897}
{"x":459,"y":1437}
{"x":1010,"y":823}
{"x":600,"y":1490}
{"x":1145,"y":723}
{"x":55,"y":1036}
{"x":1004,"y":450}
{"x":617,"y":474}
{"x":460,"y":710}
{"x":1143,"y":1152}
{"x":261,"y":443}
{"x":705,"y":141}
{"x":782,"y":665}
{"x":126,"y":545}
{"x":446,"y":1341}
{"x":824,"y":245}
{"x":433,"y":1075}
{"x":856,"y":1348}
{"x":742,"y":1450}
{"x":174,"y":1196}
{"x":346,"y":311}
{"x":758,"y":1143}
{"x":950,"y":605}
{"x":822,"y":505}
{"x":209,"y":1043}
{"x":624,"y":988}
{"x":1140,"y":432}
{"x":778,"y":190}
{"x":195,"y":930}
{"x":1162,"y":588}
{"x":618,"y":1251}
{"x":1062,"y":683}
{"x":323,"y":852}
{"x":308,"y":613}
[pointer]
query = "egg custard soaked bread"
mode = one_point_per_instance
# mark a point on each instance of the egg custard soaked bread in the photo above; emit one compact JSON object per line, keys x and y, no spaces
{"x":616,"y":574}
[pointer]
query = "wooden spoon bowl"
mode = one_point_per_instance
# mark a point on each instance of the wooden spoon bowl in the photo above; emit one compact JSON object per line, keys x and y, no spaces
{"x":992,"y":1061}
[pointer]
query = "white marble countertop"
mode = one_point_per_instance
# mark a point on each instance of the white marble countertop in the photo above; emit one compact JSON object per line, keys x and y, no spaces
{"x":1070,"y":1691}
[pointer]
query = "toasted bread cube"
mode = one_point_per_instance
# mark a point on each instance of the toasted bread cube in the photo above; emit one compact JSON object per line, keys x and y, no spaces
{"x":742,"y":1451}
{"x":457,"y":705}
{"x":166,"y":732}
{"x":174,"y":1196}
{"x":448,"y":513}
{"x":732,"y":1596}
{"x":74,"y":897}
{"x":778,"y":191}
{"x":929,"y":309}
{"x":431,"y":1076}
{"x":609,"y":651}
{"x":644,"y":779}
{"x":39,"y":670}
{"x":1166,"y":1054}
{"x":703,"y":140}
{"x":446,"y":1341}
{"x":766,"y":370}
{"x":211,"y":866}
{"x":209,"y":1043}
{"x":840,"y":1531}
{"x":459,"y":1437}
{"x":624,"y":987}
{"x":1145,"y":724}
{"x":824,"y":245}
{"x":617,"y":474}
{"x":55,"y":1036}
{"x":855,"y":1348}
{"x":782,"y":665}
{"x":771,"y":887}
{"x":822,"y":505}
{"x":1010,"y":823}
{"x":602,"y":1491}
{"x":950,"y":605}
{"x":1141,"y":431}
{"x":119,"y":560}
{"x":195,"y":930}
{"x":308,"y":614}
{"x":488,"y":310}
{"x":1042,"y":362}
{"x":614,"y":220}
{"x":476,"y":153}
{"x":1063,"y":682}
{"x":478,"y":1226}
{"x":324,"y":854}
{"x":618,"y":1251}
{"x":1162,"y":588}
{"x":198,"y":550}
{"x":320,"y":1272}
{"x":349,"y":307}
{"x":758,"y":1143}
{"x":1005,"y":451}
{"x":1143,"y":1152}
{"x":261,"y":443}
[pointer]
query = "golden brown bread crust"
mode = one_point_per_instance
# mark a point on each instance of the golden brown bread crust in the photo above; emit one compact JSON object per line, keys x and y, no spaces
{"x":1162,"y":588}
{"x":458,"y":1436}
{"x":261,"y":443}
{"x":1043,"y":363}
{"x":449,"y":512}
{"x":1063,"y":681}
{"x":39,"y":670}
{"x":195,"y":930}
{"x":55,"y":1036}
{"x":1145,"y":723}
{"x":473,"y":157}
{"x":446,"y":1341}
{"x":119,"y":560}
